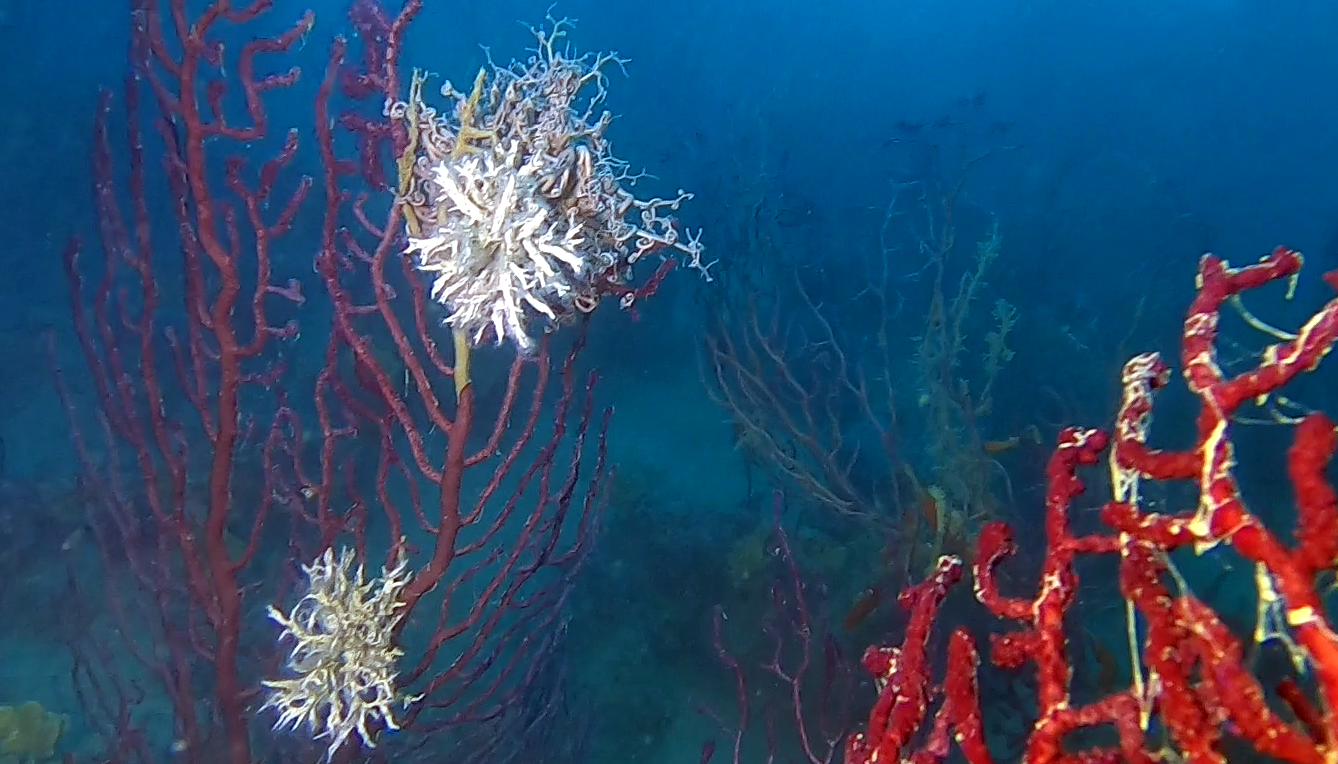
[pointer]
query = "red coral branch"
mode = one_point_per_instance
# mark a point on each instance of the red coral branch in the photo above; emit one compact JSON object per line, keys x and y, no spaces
{"x":178,"y":386}
{"x":899,"y":672}
{"x":803,"y":678}
{"x":210,"y":486}
{"x":495,"y":460}
{"x":1192,"y":675}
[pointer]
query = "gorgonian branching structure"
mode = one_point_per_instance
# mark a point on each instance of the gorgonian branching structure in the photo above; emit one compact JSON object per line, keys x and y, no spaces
{"x":515,"y":205}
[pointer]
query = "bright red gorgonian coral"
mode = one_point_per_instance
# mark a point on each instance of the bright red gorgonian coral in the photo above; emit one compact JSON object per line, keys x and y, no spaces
{"x":1194,"y":695}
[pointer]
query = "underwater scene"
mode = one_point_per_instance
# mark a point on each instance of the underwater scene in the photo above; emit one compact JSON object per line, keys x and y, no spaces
{"x":710,"y":382}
